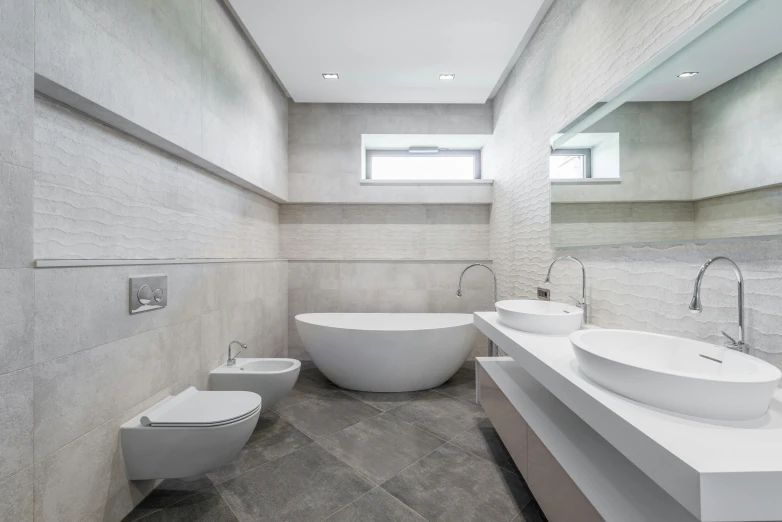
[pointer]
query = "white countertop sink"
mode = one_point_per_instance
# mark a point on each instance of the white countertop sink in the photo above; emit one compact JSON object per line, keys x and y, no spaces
{"x":541,"y":317}
{"x":676,"y":374}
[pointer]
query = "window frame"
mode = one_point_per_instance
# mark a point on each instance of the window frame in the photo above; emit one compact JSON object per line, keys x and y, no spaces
{"x":585,"y":153}
{"x":446,"y":153}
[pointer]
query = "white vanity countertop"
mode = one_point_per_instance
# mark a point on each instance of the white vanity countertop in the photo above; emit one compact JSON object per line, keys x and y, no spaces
{"x":719,"y":471}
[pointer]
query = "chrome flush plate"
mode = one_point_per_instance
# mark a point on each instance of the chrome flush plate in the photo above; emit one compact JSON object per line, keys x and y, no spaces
{"x":148,"y":293}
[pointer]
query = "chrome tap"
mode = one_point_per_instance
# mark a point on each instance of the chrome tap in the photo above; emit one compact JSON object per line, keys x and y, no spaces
{"x":232,"y":360}
{"x":697,"y":307}
{"x":492,"y":346}
{"x":583,"y":303}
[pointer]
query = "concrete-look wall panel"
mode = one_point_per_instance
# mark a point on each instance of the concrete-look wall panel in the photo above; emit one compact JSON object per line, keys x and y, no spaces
{"x":16,"y":496}
{"x":178,"y":69}
{"x":89,"y":48}
{"x":16,"y":125}
{"x":325,"y":148}
{"x":16,"y":422}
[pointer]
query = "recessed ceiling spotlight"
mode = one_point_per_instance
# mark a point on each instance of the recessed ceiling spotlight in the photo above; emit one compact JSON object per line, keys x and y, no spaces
{"x":330,"y":76}
{"x":447,"y":76}
{"x":688,"y":74}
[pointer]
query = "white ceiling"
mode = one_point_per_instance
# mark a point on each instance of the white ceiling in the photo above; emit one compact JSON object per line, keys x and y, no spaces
{"x":390,"y":51}
{"x":746,"y":38}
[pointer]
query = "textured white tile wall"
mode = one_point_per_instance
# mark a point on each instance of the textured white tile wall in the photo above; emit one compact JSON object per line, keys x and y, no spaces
{"x":581,"y":50}
{"x":384,"y":232}
{"x":101,"y":195}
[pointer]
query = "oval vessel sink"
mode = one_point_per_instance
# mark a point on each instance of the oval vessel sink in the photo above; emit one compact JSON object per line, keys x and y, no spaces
{"x":676,"y":374}
{"x":542,"y":317}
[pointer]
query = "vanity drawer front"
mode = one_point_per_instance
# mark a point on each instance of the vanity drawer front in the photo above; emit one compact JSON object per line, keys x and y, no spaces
{"x":506,"y":419}
{"x":557,"y":495}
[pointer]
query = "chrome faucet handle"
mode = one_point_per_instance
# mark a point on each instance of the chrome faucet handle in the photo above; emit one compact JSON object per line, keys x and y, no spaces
{"x":733,"y":344}
{"x":579,"y":302}
{"x":731,"y":339}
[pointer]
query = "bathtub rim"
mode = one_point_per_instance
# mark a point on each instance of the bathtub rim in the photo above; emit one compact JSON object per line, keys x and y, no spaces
{"x":468,"y":320}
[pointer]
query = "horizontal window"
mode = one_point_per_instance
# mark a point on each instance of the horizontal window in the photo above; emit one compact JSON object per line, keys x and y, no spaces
{"x":570,"y":164}
{"x":423,"y":164}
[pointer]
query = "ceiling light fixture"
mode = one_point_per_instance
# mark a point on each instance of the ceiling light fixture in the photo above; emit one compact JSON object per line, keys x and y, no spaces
{"x":330,"y":76}
{"x":450,"y":76}
{"x":688,"y":74}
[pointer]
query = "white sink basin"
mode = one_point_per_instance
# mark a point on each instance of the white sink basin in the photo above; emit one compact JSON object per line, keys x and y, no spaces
{"x":542,"y":317}
{"x":680,"y":375}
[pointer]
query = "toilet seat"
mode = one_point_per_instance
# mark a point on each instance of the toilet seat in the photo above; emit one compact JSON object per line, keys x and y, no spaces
{"x":193,"y":408}
{"x":188,"y":434}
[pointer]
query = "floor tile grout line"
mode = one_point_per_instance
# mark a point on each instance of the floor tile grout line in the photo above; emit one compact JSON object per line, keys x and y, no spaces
{"x":349,"y":503}
{"x":312,"y":441}
{"x":374,"y":484}
{"x":437,"y":448}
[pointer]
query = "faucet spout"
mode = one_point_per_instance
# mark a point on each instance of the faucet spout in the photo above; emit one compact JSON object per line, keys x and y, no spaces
{"x":492,"y":347}
{"x":697,"y":307}
{"x":583,"y":304}
{"x":494,"y":277}
{"x":232,"y":360}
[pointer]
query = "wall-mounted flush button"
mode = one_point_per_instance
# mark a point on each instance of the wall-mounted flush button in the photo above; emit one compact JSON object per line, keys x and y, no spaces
{"x":144,"y":294}
{"x":148,"y":293}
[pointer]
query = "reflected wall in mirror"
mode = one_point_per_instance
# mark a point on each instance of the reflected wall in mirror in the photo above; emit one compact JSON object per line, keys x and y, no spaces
{"x":690,"y":152}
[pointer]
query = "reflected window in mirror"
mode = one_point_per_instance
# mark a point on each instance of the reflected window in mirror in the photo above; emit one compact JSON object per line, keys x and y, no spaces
{"x":570,"y":164}
{"x":678,"y":157}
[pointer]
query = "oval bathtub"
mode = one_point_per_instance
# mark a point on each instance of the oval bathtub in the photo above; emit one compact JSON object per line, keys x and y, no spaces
{"x":387,"y":352}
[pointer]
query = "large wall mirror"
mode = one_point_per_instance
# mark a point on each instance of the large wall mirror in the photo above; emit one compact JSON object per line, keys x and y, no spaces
{"x":692,"y":151}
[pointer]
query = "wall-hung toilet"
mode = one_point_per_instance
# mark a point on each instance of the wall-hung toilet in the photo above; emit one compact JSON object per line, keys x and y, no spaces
{"x":188,"y":434}
{"x":272,"y":379}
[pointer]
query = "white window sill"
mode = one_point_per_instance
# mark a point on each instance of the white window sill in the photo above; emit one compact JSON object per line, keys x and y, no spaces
{"x":587,"y":181}
{"x":427,"y":182}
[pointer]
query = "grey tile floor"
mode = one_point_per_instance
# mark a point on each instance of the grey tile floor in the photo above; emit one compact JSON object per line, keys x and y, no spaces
{"x":331,"y":455}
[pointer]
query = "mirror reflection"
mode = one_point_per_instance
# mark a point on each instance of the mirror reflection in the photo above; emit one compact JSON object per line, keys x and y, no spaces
{"x":691,"y":152}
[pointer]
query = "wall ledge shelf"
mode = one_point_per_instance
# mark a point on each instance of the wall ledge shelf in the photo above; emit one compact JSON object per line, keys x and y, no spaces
{"x":719,"y":471}
{"x":74,"y":263}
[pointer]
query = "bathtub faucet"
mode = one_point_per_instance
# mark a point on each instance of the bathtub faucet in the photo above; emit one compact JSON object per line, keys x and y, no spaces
{"x":492,"y":347}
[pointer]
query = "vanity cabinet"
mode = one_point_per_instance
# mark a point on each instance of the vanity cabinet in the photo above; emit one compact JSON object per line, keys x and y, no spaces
{"x":556,"y":493}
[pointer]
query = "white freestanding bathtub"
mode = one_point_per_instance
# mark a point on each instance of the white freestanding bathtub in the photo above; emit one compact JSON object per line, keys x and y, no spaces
{"x":387,"y":352}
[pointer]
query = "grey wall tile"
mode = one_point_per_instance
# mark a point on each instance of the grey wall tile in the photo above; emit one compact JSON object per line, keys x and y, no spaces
{"x":107,"y":380}
{"x":16,"y":102}
{"x":97,"y":299}
{"x":324,"y":155}
{"x":16,"y":31}
{"x":107,"y":46}
{"x":16,"y":319}
{"x":244,"y":119}
{"x":16,"y":216}
{"x":16,"y":422}
{"x":16,"y":496}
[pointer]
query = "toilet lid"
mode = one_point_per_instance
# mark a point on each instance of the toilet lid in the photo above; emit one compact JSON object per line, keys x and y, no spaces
{"x":193,"y":408}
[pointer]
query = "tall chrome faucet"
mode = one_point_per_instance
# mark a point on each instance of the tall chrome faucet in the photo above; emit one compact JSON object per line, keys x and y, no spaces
{"x":583,"y":303}
{"x":696,"y":306}
{"x":232,"y":360}
{"x":492,"y":347}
